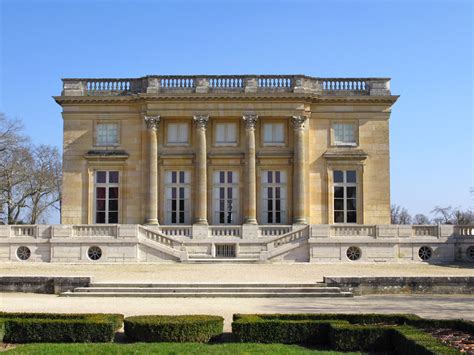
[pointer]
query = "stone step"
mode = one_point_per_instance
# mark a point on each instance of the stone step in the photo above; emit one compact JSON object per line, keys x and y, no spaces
{"x":206,"y":284}
{"x":210,"y":289}
{"x":206,"y":295}
{"x":221,"y":260}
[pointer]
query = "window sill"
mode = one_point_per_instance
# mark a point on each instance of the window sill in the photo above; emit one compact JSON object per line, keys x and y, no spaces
{"x":346,"y":145}
{"x":225,"y":145}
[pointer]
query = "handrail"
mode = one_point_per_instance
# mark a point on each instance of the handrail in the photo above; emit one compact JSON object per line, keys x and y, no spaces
{"x":160,"y":238}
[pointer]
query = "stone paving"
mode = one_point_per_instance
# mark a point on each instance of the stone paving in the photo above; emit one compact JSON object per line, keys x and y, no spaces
{"x":295,"y":272}
{"x":430,"y":306}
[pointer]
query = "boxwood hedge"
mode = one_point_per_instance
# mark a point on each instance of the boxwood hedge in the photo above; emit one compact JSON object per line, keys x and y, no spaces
{"x":188,"y":328}
{"x":58,"y":328}
{"x":348,"y":332}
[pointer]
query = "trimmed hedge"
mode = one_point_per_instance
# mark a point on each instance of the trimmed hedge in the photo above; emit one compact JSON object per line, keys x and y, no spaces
{"x":188,"y":328}
{"x":58,"y":328}
{"x":348,"y":332}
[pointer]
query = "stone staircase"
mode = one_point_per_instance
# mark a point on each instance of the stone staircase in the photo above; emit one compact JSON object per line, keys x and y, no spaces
{"x":193,"y":290}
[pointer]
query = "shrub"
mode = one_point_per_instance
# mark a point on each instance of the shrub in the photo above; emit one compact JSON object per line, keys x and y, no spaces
{"x":54,"y":328}
{"x":351,"y":337}
{"x":409,"y":340}
{"x":348,"y":332}
{"x":190,"y":328}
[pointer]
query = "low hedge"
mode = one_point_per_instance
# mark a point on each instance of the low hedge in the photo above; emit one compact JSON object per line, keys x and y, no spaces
{"x":188,"y":328}
{"x":348,"y":332}
{"x":58,"y":328}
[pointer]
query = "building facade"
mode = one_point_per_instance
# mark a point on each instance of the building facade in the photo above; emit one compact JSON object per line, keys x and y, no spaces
{"x":226,"y":150}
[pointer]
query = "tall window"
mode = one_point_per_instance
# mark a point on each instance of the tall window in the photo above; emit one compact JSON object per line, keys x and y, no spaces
{"x":344,"y":134}
{"x":274,"y":197}
{"x":178,"y":133}
{"x":226,"y":197}
{"x":273,"y":133}
{"x":345,"y":198}
{"x":226,"y":134}
{"x":106,"y":196}
{"x":177,"y":193}
{"x":107,"y":133}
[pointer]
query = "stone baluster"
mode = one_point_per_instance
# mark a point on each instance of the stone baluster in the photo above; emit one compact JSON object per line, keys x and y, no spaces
{"x":201,"y":169}
{"x":152,"y":123}
{"x":298,"y":170}
{"x":250,"y":178}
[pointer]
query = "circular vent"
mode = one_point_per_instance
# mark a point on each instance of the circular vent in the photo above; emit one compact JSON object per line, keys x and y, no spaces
{"x":353,"y":253}
{"x":470,"y":252}
{"x":23,"y":253}
{"x":425,"y":253}
{"x":94,"y":253}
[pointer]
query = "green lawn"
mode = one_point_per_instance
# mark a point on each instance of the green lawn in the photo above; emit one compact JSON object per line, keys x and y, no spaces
{"x":165,"y":348}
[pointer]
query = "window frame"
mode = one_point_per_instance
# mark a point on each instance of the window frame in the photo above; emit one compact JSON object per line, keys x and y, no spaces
{"x":107,"y":185}
{"x":167,"y":132}
{"x":284,"y":203}
{"x":226,"y":144}
{"x":355,"y":133}
{"x":96,"y":134}
{"x":186,"y":185}
{"x":284,"y":124}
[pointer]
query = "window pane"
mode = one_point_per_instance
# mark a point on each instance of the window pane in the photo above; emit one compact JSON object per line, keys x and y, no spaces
{"x":222,"y":177}
{"x":229,"y":192}
{"x":338,"y":176}
{"x":231,"y":136}
{"x":113,"y":205}
{"x":270,"y":217}
{"x":100,"y":217}
{"x":173,"y":217}
{"x":173,"y":205}
{"x":267,"y":133}
{"x":183,"y":133}
{"x":277,"y":177}
{"x":172,"y":133}
{"x":181,"y":205}
{"x":101,"y":177}
{"x":181,"y":192}
{"x":113,"y":192}
{"x":278,"y":133}
{"x":338,"y":192}
{"x":220,"y":133}
{"x":229,"y":177}
{"x":269,"y":205}
{"x":277,"y":192}
{"x":351,"y":204}
{"x":181,"y":217}
{"x":269,"y":177}
{"x":278,"y":217}
{"x":173,"y":177}
{"x":100,"y":192}
{"x":351,"y":217}
{"x":113,"y":217}
{"x":113,"y":177}
{"x":338,"y":204}
{"x":338,"y":217}
{"x":351,"y":192}
{"x":221,"y":217}
{"x":351,"y":176}
{"x":100,"y":205}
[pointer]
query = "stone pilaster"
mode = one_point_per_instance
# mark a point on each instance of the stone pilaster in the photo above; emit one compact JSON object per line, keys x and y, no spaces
{"x":152,"y":123}
{"x":299,"y":182}
{"x":250,"y":178}
{"x":200,"y":215}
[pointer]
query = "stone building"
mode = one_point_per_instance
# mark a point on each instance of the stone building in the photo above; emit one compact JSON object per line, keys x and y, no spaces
{"x":252,"y":168}
{"x":217,"y":150}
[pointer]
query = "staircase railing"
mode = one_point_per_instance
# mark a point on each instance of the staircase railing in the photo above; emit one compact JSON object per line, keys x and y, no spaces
{"x":277,"y":245}
{"x":173,"y":246}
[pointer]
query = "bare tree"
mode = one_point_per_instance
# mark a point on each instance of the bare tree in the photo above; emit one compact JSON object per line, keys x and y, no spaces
{"x":44,"y":182}
{"x":421,"y":219}
{"x":399,"y":215}
{"x":29,"y":176}
{"x":442,"y":214}
{"x":462,"y":218}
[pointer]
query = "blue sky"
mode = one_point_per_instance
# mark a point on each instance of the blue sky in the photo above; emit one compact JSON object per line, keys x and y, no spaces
{"x":425,"y":47}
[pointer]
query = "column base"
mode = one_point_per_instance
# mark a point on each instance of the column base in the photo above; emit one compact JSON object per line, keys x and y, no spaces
{"x":299,"y":221}
{"x":250,"y":221}
{"x":153,"y":222}
{"x":201,"y":221}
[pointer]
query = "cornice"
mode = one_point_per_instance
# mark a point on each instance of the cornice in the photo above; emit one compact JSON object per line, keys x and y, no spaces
{"x":144,"y":98}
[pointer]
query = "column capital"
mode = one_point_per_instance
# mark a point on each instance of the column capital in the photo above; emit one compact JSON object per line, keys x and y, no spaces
{"x":250,"y":120}
{"x":152,"y":122}
{"x":298,"y":121}
{"x":201,"y":121}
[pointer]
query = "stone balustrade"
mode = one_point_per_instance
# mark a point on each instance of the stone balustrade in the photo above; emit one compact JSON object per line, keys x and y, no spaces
{"x":95,"y":230}
{"x":177,"y":231}
{"x":271,"y":231}
{"x":162,"y":84}
{"x":225,"y":231}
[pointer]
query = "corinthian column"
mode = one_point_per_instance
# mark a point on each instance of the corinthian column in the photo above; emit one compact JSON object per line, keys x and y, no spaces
{"x":250,"y":190}
{"x":152,"y":123}
{"x":298,"y":170}
{"x":200,"y":215}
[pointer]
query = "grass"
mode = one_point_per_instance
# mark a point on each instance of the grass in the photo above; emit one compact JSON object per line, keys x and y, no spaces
{"x":166,"y":348}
